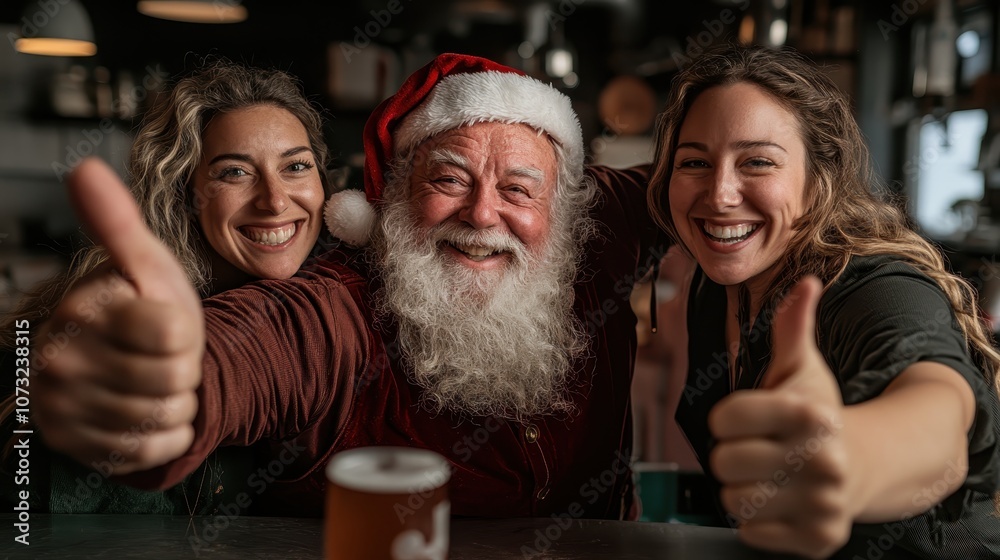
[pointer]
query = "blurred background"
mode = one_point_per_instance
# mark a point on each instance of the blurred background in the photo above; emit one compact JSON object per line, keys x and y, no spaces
{"x":923,"y":75}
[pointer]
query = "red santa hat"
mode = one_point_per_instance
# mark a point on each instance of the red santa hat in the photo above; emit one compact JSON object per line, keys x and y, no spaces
{"x":452,"y":91}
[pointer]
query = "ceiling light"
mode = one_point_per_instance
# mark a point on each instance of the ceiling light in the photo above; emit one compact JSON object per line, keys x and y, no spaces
{"x":195,"y":11}
{"x":65,"y":30}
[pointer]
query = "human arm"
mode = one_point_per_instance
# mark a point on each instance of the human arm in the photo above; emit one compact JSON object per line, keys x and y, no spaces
{"x":622,"y":207}
{"x":268,"y":366}
{"x":127,"y":348}
{"x":280,"y":357}
{"x":910,"y":443}
{"x":894,"y":454}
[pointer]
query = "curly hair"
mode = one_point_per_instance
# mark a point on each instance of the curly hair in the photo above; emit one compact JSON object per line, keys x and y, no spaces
{"x":167,"y":149}
{"x":847,"y":212}
{"x":164,"y":155}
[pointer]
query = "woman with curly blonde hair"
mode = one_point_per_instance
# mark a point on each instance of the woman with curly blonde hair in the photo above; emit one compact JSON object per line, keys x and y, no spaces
{"x":229,"y":171}
{"x":842,"y":388}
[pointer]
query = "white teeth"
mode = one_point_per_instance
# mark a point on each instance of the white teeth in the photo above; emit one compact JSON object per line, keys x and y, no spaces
{"x":269,"y":237}
{"x":729,"y":233}
{"x":473,"y":250}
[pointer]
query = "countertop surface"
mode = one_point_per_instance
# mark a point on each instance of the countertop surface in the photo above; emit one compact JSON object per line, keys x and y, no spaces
{"x":151,"y":536}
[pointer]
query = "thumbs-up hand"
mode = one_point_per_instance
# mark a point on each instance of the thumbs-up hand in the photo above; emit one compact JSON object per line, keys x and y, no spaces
{"x":117,"y":364}
{"x":780,"y":456}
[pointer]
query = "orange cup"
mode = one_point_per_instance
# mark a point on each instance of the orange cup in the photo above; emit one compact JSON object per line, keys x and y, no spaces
{"x":387,"y":503}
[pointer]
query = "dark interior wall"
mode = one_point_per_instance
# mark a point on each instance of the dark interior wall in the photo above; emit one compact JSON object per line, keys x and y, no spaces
{"x":610,"y":37}
{"x":294,"y":35}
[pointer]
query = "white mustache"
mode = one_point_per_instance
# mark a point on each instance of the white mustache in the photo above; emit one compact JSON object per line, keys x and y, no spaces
{"x":490,"y":239}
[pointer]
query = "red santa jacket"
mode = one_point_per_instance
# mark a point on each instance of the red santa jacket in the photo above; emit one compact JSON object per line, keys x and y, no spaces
{"x":305,"y":368}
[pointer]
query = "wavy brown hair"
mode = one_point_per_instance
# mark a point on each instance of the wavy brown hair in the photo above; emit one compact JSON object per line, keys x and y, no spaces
{"x":162,"y":160}
{"x":167,"y":149}
{"x":164,"y":155}
{"x":845,"y":214}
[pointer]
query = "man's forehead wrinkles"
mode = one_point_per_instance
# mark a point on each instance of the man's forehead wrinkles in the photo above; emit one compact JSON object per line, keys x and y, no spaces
{"x":511,"y":153}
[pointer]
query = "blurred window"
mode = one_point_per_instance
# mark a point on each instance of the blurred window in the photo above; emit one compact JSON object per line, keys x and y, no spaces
{"x":942,"y":170}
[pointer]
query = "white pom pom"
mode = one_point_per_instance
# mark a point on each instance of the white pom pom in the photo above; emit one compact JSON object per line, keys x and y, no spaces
{"x":350,"y":217}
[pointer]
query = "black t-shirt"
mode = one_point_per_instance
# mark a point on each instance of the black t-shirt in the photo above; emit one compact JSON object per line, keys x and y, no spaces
{"x":881,"y":316}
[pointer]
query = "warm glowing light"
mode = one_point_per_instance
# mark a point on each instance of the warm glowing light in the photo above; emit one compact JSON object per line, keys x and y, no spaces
{"x":55,"y":47}
{"x":194,"y":11}
{"x":746,"y":30}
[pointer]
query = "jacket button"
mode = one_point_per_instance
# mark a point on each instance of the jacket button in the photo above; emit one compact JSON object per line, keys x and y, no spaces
{"x":531,"y":433}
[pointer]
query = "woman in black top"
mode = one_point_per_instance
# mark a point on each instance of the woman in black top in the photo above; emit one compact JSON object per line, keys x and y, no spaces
{"x":874,"y":428}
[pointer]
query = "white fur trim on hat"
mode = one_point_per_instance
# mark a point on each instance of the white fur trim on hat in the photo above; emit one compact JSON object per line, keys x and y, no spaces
{"x":350,"y":217}
{"x":463,"y":99}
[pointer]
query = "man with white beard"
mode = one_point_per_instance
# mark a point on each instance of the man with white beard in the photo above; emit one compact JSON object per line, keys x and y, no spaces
{"x":481,"y":311}
{"x":490,"y":341}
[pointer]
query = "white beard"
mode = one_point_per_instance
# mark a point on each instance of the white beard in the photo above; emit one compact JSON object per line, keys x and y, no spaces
{"x":496,"y":343}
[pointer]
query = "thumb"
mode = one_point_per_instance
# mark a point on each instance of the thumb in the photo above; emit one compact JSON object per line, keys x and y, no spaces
{"x":794,"y":347}
{"x":106,"y":207}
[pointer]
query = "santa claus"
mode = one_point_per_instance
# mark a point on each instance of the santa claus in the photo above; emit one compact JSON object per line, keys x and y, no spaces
{"x":478,"y":308}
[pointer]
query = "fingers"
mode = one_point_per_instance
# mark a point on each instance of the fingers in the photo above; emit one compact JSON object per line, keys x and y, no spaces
{"x":116,"y":412}
{"x":746,"y":461}
{"x":117,"y":378}
{"x":779,"y":458}
{"x":817,"y":461}
{"x":762,"y":432}
{"x":133,"y":347}
{"x":781,"y":500}
{"x":817,"y":541}
{"x":783,"y":471}
{"x":164,"y":328}
{"x":134,"y":433}
{"x":765,"y":414}
{"x":119,"y":453}
{"x":119,"y":371}
{"x":88,"y":422}
{"x":122,"y":353}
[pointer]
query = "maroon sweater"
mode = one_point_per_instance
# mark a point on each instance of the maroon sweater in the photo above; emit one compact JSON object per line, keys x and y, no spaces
{"x":305,"y":369}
